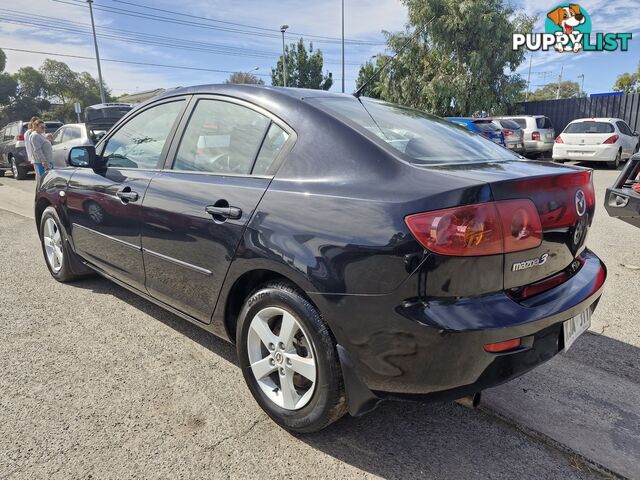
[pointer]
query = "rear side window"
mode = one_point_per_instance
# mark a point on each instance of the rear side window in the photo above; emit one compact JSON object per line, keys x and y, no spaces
{"x":543,"y":122}
{"x":221,"y":137}
{"x":624,"y":128}
{"x":51,"y":127}
{"x":140,"y":141}
{"x":589,"y":127}
{"x":271,"y":147}
{"x":71,"y":133}
{"x":424,"y":138}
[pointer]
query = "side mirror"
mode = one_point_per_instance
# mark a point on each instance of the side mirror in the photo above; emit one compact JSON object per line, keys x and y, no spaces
{"x":85,"y":157}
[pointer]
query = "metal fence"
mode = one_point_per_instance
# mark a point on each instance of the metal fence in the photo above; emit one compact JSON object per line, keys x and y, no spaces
{"x":561,"y":112}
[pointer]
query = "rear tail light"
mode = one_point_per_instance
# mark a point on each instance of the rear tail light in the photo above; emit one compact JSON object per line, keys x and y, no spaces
{"x":611,"y":140}
{"x":474,"y":230}
{"x":500,"y":347}
{"x":559,"y":139}
{"x":20,"y":138}
{"x":535,"y":135}
{"x":507,"y":132}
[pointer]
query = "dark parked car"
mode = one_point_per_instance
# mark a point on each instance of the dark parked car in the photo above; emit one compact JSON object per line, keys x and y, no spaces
{"x":623,"y":197}
{"x":354,"y":250}
{"x":13,"y":154}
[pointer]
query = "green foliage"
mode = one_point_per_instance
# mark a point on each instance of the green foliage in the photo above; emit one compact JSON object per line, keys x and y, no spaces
{"x":304,"y":68}
{"x":367,"y":71}
{"x":244,"y":78}
{"x":628,"y":82}
{"x":460,"y":62}
{"x":30,"y":82}
{"x":3,"y":60}
{"x":568,"y":89}
{"x":8,"y":87}
{"x":31,"y":92}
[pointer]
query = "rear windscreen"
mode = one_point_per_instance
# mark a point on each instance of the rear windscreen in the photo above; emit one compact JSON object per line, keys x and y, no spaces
{"x":112,"y":113}
{"x":486,"y":125}
{"x":422,"y":137}
{"x":589,"y":127}
{"x":520,"y":121}
{"x":510,"y":124}
{"x":544,"y":122}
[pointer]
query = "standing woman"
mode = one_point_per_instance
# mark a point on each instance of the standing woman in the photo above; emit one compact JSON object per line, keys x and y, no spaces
{"x":27,"y":142}
{"x":40,"y":149}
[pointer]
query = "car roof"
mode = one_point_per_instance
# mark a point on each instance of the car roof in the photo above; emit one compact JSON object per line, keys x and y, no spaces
{"x":242,"y":90}
{"x":597,"y":119}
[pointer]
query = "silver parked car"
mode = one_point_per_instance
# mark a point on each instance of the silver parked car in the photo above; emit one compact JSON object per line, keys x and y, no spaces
{"x":539,"y":133}
{"x":73,"y":135}
{"x":513,"y":134}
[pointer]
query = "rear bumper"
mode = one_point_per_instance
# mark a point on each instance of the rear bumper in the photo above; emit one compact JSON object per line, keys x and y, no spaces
{"x":435,"y":349}
{"x":534,"y":146}
{"x":585,"y":153}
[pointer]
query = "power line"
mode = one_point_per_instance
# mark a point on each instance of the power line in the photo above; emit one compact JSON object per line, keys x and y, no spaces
{"x":148,"y":39}
{"x":262,"y":33}
{"x":178,"y":67}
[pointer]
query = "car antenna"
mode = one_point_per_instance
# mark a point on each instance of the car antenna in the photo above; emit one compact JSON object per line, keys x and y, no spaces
{"x":358,"y":93}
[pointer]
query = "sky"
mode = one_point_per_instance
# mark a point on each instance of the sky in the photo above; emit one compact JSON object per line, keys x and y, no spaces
{"x":221,"y":36}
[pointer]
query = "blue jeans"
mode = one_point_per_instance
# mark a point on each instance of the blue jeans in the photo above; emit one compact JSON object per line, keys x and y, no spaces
{"x":39,"y":169}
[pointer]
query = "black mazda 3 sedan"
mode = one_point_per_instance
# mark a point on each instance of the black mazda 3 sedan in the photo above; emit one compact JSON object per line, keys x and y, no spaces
{"x":352,"y":249}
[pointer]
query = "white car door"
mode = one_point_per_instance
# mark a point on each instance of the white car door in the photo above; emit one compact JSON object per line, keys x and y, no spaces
{"x":59,"y":159}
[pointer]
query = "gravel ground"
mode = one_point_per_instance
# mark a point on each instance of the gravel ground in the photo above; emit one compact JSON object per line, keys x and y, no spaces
{"x":99,"y":383}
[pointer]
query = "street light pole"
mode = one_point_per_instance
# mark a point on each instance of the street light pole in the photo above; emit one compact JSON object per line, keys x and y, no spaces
{"x":283,"y":28}
{"x":95,"y":42}
{"x":526,"y":95}
{"x":582,"y":85}
{"x":342,"y":46}
{"x":559,"y":82}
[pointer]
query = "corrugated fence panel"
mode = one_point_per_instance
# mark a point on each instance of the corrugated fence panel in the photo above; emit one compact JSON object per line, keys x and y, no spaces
{"x":563,"y":111}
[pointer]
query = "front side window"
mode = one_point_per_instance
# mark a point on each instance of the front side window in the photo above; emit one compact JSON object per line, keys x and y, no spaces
{"x":221,"y":137}
{"x":425,"y":138}
{"x":57,"y":137}
{"x":589,"y":127}
{"x":140,"y":141}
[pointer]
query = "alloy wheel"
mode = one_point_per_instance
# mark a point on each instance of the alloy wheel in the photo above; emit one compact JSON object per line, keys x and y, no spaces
{"x":52,"y":240}
{"x":14,"y":169}
{"x":281,"y":358}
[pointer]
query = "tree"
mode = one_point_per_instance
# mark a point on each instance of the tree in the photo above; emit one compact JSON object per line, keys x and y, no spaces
{"x":304,"y":68}
{"x":244,"y":78}
{"x":367,"y":72}
{"x":30,"y":82}
{"x":59,"y":79}
{"x":3,"y":60}
{"x":628,"y":82}
{"x":568,"y":89}
{"x":8,"y":87}
{"x":456,"y":66}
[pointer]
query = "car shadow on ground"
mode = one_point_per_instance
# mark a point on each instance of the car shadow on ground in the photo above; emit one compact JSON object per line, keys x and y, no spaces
{"x":402,"y":440}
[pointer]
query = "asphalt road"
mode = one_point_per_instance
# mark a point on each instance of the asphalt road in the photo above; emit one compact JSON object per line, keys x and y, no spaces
{"x":99,"y":383}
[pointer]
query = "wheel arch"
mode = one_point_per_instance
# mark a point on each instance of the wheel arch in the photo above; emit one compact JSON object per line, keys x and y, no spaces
{"x":243,"y":286}
{"x":41,"y":206}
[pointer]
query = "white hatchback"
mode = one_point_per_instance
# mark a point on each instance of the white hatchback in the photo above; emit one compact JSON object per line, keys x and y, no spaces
{"x":596,"y":140}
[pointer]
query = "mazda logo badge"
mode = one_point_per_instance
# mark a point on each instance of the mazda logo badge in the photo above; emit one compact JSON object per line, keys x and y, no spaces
{"x":581,"y":203}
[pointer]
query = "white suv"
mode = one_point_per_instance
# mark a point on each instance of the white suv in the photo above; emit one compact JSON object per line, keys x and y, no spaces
{"x":596,"y":140}
{"x":538,"y":133}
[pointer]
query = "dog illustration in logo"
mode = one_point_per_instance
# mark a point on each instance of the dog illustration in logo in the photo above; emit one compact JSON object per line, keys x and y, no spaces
{"x":567,"y":18}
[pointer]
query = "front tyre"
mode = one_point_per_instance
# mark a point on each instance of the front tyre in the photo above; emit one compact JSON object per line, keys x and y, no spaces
{"x":289,"y":360}
{"x":55,"y":247}
{"x":616,"y":163}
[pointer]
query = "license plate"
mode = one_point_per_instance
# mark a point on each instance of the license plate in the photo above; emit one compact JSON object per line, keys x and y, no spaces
{"x":549,"y":136}
{"x":575,"y":327}
{"x":519,"y":145}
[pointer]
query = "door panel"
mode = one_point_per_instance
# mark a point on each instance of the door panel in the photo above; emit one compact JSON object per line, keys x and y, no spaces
{"x":186,"y":250}
{"x":105,"y":228}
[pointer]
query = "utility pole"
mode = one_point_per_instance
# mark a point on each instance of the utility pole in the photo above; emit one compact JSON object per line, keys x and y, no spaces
{"x":95,"y":42}
{"x":283,"y":28}
{"x":582,"y":84}
{"x":559,"y":82}
{"x":342,"y":46}
{"x":526,"y":95}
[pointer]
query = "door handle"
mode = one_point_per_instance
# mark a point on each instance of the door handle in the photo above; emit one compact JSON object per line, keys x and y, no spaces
{"x":126,"y":195}
{"x":233,"y":213}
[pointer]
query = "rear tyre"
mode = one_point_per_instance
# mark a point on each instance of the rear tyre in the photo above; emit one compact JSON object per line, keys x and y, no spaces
{"x":19,"y":173}
{"x":55,"y":247}
{"x":616,"y":163}
{"x":289,"y":359}
{"x":1,"y":173}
